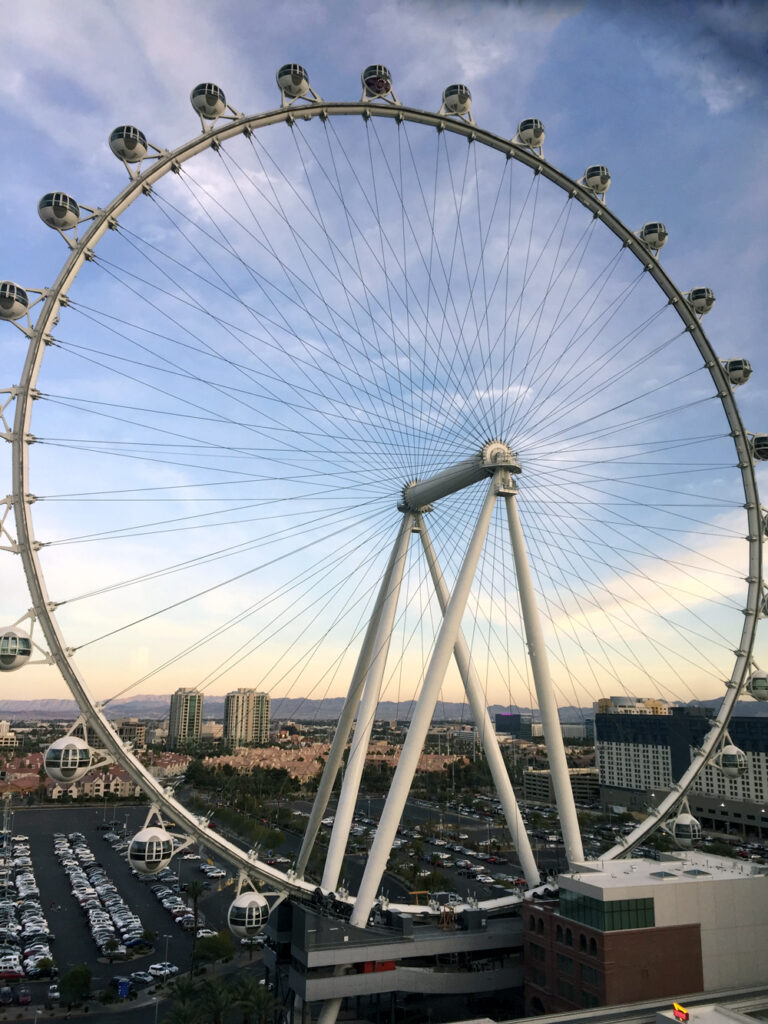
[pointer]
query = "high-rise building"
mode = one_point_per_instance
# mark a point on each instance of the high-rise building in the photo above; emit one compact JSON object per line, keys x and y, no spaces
{"x":185,"y":718}
{"x":246,"y":716}
{"x":513,"y":724}
{"x":131,"y":730}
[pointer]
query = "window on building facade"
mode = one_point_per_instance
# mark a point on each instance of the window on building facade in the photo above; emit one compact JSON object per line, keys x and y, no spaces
{"x":606,"y":916}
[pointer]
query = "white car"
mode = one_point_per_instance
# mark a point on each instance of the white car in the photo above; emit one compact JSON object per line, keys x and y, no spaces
{"x":163,"y":970}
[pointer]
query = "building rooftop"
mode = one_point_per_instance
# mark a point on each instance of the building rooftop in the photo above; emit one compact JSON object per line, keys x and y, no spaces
{"x":637,"y":871}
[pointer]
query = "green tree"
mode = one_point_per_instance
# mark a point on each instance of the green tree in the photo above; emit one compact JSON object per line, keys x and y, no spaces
{"x":216,"y":999}
{"x":215,"y":947}
{"x":251,"y":996}
{"x":184,"y":992}
{"x":76,"y":984}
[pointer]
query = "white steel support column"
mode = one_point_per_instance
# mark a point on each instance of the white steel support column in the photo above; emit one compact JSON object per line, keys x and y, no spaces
{"x":479,"y":707}
{"x":422,"y":716}
{"x":537,"y":652}
{"x":366,"y":713}
{"x":347,"y":717}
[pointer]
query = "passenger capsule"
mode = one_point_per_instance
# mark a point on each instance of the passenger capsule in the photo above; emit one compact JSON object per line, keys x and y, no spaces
{"x":457,"y":99}
{"x":530,"y":132}
{"x":597,"y":179}
{"x":58,"y":210}
{"x":732,"y":762}
{"x":208,"y":100}
{"x":14,"y":301}
{"x":701,"y":300}
{"x":150,"y":850}
{"x":654,"y":235}
{"x":377,"y":80}
{"x":738,"y":371}
{"x":757,"y":685}
{"x":248,"y":914}
{"x":129,"y":144}
{"x":68,"y":759}
{"x":15,"y":649}
{"x":293,"y":80}
{"x":759,"y":441}
{"x":686,"y":830}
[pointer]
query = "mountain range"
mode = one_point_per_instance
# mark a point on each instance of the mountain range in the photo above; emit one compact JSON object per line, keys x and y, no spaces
{"x":155,"y":706}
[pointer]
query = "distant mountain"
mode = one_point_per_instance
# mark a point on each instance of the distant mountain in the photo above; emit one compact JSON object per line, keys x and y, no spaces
{"x":155,"y":706}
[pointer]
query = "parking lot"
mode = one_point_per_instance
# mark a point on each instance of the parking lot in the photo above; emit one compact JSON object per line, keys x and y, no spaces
{"x":73,"y":941}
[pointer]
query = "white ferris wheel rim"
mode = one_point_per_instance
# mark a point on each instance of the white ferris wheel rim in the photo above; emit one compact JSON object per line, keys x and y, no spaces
{"x":55,"y":297}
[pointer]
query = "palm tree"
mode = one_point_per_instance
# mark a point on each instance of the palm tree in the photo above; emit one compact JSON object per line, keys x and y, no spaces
{"x":216,"y":998}
{"x":184,"y":992}
{"x":182,"y":1014}
{"x":195,"y":890}
{"x":252,"y":997}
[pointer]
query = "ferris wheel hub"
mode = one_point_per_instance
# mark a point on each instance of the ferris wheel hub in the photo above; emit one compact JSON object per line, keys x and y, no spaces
{"x":420,"y":495}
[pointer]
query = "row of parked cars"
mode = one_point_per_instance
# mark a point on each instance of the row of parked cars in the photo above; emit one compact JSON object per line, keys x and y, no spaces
{"x":25,"y":937}
{"x":114,"y":926}
{"x":166,"y":889}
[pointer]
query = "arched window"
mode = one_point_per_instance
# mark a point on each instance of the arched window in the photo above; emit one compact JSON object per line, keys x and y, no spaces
{"x":540,"y":925}
{"x":593,"y":947}
{"x":568,"y":937}
{"x":583,"y":943}
{"x":532,"y":923}
{"x":559,"y":934}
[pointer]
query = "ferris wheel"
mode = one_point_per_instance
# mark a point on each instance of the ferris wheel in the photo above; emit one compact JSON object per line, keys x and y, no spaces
{"x":356,"y":398}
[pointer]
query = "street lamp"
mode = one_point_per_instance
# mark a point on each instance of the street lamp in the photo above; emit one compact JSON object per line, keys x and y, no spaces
{"x":167,"y":940}
{"x":157,"y":1007}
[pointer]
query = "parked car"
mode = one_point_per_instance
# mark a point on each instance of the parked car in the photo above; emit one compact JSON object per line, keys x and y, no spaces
{"x":163,"y":970}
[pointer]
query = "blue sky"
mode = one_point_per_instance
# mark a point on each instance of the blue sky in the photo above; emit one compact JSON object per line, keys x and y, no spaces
{"x":672,"y":98}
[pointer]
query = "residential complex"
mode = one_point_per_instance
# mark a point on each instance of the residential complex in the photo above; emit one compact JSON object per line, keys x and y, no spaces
{"x":246,"y":717}
{"x":131,"y":730}
{"x":185,"y":717}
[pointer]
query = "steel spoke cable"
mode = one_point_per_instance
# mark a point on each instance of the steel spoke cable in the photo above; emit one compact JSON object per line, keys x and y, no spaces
{"x":393,"y":374}
{"x":270,"y":629}
{"x":238,"y":333}
{"x":602,"y":543}
{"x":264,"y":601}
{"x":208,"y":590}
{"x":576,"y":400}
{"x":301,"y":249}
{"x":193,"y":404}
{"x":597,"y":286}
{"x":391,"y":248}
{"x":627,"y":622}
{"x":574,"y":397}
{"x":580,"y":341}
{"x":227,"y":551}
{"x":229,"y":247}
{"x":537,"y":313}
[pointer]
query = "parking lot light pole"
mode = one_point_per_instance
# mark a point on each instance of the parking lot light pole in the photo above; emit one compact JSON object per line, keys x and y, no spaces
{"x":167,"y":940}
{"x":157,"y":1007}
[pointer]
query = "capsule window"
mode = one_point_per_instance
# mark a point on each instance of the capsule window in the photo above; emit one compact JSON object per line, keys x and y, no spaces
{"x":10,"y":293}
{"x":292,"y":69}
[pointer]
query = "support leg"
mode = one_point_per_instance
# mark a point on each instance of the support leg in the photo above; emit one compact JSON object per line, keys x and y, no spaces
{"x":347,"y":717}
{"x":483,"y":724}
{"x":550,"y":720}
{"x":422,"y":716}
{"x":356,"y":762}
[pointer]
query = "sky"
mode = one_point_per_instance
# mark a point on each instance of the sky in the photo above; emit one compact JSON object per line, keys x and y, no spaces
{"x":672,"y":98}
